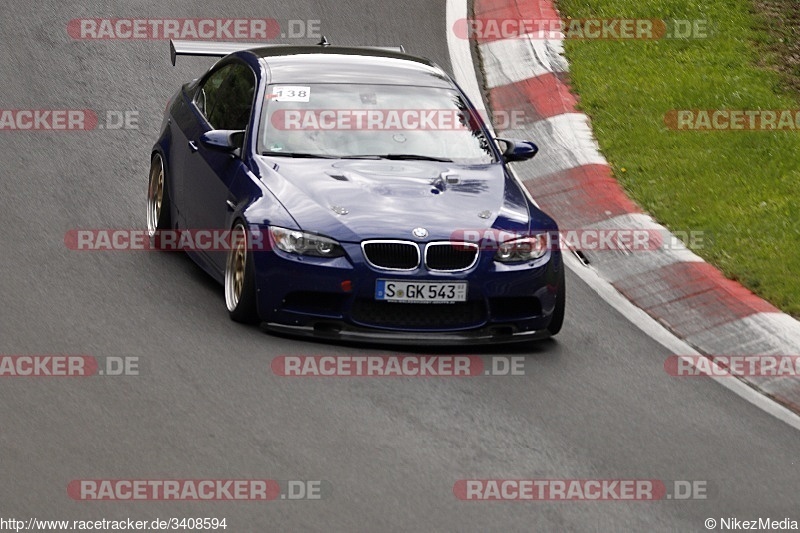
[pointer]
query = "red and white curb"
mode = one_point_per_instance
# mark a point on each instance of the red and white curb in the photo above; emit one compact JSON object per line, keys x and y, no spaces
{"x":571,"y":180}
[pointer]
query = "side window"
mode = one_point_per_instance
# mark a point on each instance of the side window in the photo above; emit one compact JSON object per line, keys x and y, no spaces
{"x":230,"y":107}
{"x":207,"y":95}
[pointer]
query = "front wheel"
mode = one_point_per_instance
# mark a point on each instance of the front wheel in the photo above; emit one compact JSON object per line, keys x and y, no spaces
{"x":240,"y":293}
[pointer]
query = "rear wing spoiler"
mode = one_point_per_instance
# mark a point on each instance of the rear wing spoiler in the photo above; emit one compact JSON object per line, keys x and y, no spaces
{"x":221,"y":49}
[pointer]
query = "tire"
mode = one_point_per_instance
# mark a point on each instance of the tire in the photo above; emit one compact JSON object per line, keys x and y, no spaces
{"x":558,"y":313}
{"x":240,"y":287}
{"x":158,"y":201}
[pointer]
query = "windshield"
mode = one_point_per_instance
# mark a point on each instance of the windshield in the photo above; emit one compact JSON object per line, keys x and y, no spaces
{"x":371,"y":122}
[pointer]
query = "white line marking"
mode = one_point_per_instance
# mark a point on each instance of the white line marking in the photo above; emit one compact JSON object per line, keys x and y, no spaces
{"x":532,"y":57}
{"x":776,"y":334}
{"x":569,"y":144}
{"x":615,"y":266}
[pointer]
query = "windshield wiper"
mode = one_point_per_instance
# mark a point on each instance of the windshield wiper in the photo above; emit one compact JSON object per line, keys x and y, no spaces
{"x":396,"y":157}
{"x":399,"y":157}
{"x":414,"y":157}
{"x":299,"y":155}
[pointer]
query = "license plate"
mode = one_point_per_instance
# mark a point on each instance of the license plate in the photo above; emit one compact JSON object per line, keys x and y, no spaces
{"x":433,"y":292}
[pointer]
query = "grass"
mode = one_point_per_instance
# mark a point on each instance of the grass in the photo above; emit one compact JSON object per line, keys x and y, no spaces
{"x":741,"y":188}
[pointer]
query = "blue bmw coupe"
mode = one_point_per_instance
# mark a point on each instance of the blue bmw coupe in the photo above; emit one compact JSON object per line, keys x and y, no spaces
{"x":383,"y":206}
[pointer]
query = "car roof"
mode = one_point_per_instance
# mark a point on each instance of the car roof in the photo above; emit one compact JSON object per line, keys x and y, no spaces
{"x":340,"y":64}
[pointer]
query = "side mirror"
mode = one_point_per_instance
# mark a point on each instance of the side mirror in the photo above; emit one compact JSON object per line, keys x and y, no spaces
{"x":517,"y":150}
{"x":228,"y":141}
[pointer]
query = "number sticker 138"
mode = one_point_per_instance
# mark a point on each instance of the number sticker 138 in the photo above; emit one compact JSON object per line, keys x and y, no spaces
{"x":290,"y":93}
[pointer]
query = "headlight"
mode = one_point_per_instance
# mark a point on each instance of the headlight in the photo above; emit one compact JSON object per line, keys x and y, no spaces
{"x":524,"y":249}
{"x":299,"y":242}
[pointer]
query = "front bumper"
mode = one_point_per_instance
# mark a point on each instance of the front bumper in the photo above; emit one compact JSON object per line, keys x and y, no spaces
{"x":335,"y":300}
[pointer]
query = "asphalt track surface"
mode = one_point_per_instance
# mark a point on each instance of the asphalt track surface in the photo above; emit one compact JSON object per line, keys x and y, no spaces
{"x":594,"y":403}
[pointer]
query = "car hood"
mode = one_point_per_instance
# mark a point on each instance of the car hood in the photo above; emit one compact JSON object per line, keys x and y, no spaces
{"x":353,"y":200}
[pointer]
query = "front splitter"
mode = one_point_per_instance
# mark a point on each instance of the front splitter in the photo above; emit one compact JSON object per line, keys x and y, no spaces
{"x":482,"y":336}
